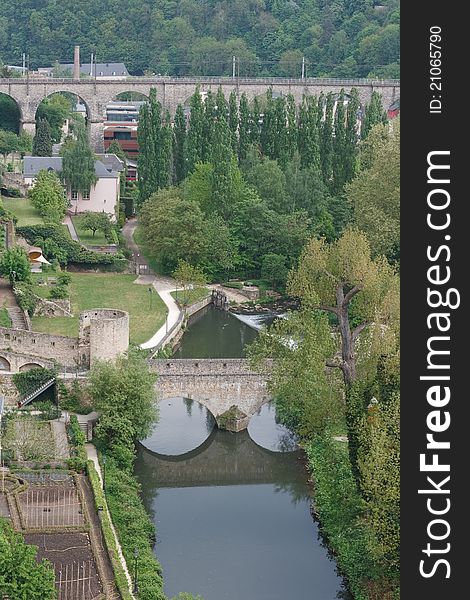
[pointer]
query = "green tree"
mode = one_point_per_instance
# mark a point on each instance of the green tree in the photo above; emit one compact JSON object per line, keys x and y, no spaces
{"x":96,"y":222}
{"x":47,"y":196}
{"x":255,"y":123}
{"x":208,"y":126}
{"x":326,"y":144}
{"x":374,"y":114}
{"x":308,"y":133}
{"x":351,"y":136}
{"x":375,"y":192}
{"x":195,"y":133}
{"x":330,"y":277}
{"x":173,"y":226}
{"x":179,"y":145}
{"x":125,"y":388}
{"x":244,"y":133}
{"x":273,"y":268}
{"x":268,"y":179}
{"x":42,"y":142}
{"x":233,"y":119}
{"x":78,"y":163}
{"x":55,"y":110}
{"x":10,"y":142}
{"x":15,"y":264}
{"x":188,"y":276}
{"x":339,"y":145}
{"x":21,"y":576}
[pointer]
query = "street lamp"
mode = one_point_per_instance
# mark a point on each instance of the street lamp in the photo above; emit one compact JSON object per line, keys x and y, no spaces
{"x":136,"y":556}
{"x":104,"y":473}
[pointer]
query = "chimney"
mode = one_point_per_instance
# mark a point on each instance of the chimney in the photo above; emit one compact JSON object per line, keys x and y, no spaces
{"x":76,"y":63}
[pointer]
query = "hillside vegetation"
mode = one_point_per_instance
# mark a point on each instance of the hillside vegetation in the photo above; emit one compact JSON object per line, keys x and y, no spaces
{"x":339,"y":38}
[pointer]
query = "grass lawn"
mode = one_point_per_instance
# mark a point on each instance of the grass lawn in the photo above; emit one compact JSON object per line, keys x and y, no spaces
{"x":185,"y":298}
{"x":5,"y":320}
{"x":24,"y":210}
{"x":86,"y":235}
{"x":140,"y":241}
{"x":107,"y":290}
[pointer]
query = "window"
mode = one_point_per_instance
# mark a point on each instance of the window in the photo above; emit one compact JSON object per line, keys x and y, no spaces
{"x":74,"y":195}
{"x":122,"y":135}
{"x":86,"y":196}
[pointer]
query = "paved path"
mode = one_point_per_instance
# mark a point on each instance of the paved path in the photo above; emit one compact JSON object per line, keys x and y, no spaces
{"x":163,"y":286}
{"x":69,"y":223}
{"x":92,"y":455}
{"x":60,"y":438}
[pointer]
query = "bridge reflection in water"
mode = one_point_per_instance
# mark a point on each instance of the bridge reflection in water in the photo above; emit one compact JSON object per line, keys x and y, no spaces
{"x":233,"y":520}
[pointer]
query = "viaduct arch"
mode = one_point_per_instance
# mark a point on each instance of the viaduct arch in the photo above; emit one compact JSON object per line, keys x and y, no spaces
{"x":28,"y":93}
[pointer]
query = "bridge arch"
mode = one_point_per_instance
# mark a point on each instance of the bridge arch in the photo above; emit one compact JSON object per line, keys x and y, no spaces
{"x":11,"y":114}
{"x":29,"y":366}
{"x":5,"y":364}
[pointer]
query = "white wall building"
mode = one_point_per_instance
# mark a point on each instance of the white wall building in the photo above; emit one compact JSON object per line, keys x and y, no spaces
{"x":103,"y":196}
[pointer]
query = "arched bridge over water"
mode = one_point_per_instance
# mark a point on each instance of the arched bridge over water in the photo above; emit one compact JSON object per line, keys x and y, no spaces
{"x":29,"y":93}
{"x":218,"y":384}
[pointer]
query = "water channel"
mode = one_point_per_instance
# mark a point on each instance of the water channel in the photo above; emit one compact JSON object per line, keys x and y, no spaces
{"x":232,"y":511}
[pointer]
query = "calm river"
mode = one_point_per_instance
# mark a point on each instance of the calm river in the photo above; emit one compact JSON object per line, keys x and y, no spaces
{"x":232,"y":511}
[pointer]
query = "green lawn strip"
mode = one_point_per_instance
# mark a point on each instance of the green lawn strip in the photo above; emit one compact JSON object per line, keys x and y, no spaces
{"x":110,"y":541}
{"x":188,"y":297}
{"x":106,"y":290}
{"x":86,"y":235}
{"x":145,"y":251}
{"x":5,"y":320}
{"x":23,"y":210}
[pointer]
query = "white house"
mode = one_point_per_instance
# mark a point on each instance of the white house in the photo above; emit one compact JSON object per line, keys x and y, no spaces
{"x":103,"y":197}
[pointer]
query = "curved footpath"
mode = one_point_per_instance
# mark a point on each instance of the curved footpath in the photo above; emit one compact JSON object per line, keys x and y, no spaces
{"x":163,"y":286}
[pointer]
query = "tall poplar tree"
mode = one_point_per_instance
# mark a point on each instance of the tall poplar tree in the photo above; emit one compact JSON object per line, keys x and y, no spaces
{"x":292,"y":127}
{"x":42,"y":142}
{"x":244,"y":128}
{"x":78,"y":163}
{"x":326,"y":149}
{"x":233,"y":119}
{"x":195,"y":133}
{"x":146,"y":160}
{"x":339,"y":145}
{"x":179,"y":145}
{"x":351,"y":136}
{"x":255,"y":118}
{"x":208,"y":126}
{"x":374,"y":114}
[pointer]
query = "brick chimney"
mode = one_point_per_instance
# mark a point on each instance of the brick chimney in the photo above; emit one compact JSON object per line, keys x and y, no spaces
{"x":76,"y":63}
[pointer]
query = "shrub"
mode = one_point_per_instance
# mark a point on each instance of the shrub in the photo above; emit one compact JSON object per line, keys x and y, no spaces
{"x":59,"y":292}
{"x":78,"y":460}
{"x":25,"y":296}
{"x":72,"y":252}
{"x":30,"y":380}
{"x":64,"y":279}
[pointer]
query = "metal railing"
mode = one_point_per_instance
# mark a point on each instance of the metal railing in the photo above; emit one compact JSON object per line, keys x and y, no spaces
{"x":307,"y":81}
{"x":27,"y":398}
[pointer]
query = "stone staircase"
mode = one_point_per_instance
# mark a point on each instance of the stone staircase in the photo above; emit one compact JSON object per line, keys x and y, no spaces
{"x":18,"y":320}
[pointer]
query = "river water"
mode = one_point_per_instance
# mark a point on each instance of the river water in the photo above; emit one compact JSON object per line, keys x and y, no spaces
{"x":232,"y":511}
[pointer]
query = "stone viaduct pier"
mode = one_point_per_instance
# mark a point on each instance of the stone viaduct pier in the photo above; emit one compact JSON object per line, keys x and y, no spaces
{"x":28,"y":93}
{"x":218,"y":384}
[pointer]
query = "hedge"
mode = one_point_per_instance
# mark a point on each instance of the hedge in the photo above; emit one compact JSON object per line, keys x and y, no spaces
{"x":74,"y":251}
{"x":108,"y":534}
{"x":78,"y":460}
{"x":134,"y":528}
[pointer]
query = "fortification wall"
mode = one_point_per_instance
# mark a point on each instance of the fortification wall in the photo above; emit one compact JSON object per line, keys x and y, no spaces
{"x":106,"y":331}
{"x":58,"y":348}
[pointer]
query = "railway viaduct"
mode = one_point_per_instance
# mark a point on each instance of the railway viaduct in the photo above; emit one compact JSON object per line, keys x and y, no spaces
{"x":95,"y":94}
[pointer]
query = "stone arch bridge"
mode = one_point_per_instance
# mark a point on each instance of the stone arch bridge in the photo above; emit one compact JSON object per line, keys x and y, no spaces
{"x":218,"y":384}
{"x":28,"y":93}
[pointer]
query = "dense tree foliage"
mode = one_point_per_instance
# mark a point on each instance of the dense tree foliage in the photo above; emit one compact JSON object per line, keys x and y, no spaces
{"x":21,"y":576}
{"x":42,"y":141}
{"x":15,"y":264}
{"x":78,"y":163}
{"x":269,"y":37}
{"x":266,"y":175}
{"x":47,"y":196}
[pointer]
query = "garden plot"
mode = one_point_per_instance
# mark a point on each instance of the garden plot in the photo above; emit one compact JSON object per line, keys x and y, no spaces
{"x":71,"y":554}
{"x":53,"y":506}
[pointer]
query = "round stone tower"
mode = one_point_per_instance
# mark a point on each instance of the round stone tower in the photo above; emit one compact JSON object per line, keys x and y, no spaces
{"x":105,"y":331}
